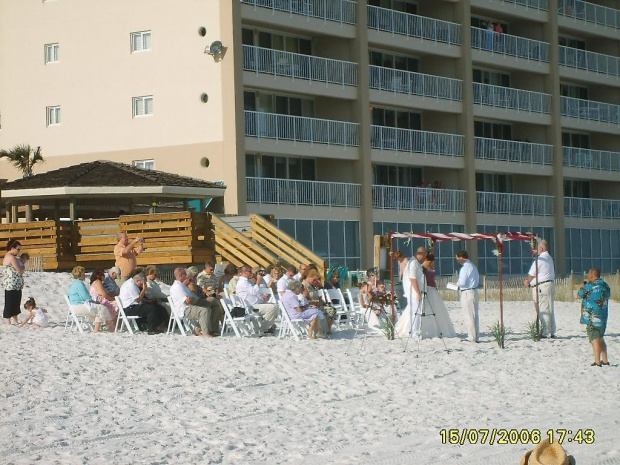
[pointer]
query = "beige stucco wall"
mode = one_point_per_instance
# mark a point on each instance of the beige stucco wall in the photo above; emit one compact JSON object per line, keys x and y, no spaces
{"x":94,"y":83}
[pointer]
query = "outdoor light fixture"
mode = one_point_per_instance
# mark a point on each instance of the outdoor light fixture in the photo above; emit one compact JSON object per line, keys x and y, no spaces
{"x":214,"y":49}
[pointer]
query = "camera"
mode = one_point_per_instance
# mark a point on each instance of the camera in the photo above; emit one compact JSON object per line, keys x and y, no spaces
{"x":261,"y":272}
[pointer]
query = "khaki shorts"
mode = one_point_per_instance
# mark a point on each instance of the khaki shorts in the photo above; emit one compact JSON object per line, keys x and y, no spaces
{"x":595,"y":332}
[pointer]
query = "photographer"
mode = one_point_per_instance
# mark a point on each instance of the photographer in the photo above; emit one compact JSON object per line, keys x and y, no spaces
{"x":126,"y":254}
{"x":594,"y":309}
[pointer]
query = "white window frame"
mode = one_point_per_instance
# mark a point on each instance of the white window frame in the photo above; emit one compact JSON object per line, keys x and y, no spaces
{"x":140,"y":106}
{"x":52,"y":115}
{"x":137,"y":40}
{"x":144,"y":164}
{"x":52,"y":53}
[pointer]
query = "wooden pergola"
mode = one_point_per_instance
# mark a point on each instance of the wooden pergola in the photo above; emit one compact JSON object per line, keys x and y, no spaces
{"x":499,"y":239}
{"x":103,"y":188}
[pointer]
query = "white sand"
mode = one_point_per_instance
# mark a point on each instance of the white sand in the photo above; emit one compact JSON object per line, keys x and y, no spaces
{"x":112,"y":398}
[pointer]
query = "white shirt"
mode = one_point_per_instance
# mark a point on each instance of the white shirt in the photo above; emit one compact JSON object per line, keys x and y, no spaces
{"x":129,"y":294}
{"x":249,"y":292}
{"x":546,"y":270}
{"x":282,"y":284}
{"x":179,"y":292}
{"x":413,"y":270}
{"x":297,"y":277}
{"x":468,"y":276}
{"x":267,"y":280}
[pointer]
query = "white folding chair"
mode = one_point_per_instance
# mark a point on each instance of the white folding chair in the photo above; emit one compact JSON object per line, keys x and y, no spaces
{"x":297,"y":327}
{"x":336,"y":299}
{"x":274,"y":297}
{"x":239,"y":325}
{"x":184,"y":325}
{"x":79,"y":322}
{"x":357,"y":312}
{"x":129,"y":322}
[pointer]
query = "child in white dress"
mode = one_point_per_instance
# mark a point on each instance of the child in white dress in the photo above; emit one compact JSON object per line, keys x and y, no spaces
{"x":38,"y":315}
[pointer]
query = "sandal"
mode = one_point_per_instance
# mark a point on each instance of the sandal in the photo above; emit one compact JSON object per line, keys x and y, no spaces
{"x":594,"y":364}
{"x":605,"y":363}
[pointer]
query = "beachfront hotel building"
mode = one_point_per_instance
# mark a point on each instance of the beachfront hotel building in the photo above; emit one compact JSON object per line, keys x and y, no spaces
{"x":342,"y":119}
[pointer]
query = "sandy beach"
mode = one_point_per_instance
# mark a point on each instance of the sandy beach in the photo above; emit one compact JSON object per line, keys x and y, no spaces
{"x":72,"y":398}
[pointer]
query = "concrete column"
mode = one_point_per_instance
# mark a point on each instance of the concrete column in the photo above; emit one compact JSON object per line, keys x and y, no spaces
{"x":467,"y":176}
{"x":554,"y":137}
{"x":361,"y":108}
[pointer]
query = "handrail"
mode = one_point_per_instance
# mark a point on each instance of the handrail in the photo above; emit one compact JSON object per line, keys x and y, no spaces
{"x":590,"y":61}
{"x":408,"y":82}
{"x":601,"y":160}
{"x":413,"y":140}
{"x":513,"y":151}
{"x":283,"y":245}
{"x":502,"y":203}
{"x":341,"y":11}
{"x":237,"y":248}
{"x":418,"y":199}
{"x":590,"y":110}
{"x":577,"y":207}
{"x":513,"y":99}
{"x":589,"y":12}
{"x":298,"y":192}
{"x":535,"y":4}
{"x":299,"y":66}
{"x":410,"y":25}
{"x":506,"y":44}
{"x":299,"y":128}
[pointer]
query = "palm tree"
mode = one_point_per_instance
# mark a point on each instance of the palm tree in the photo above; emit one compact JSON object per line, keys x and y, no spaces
{"x":23,"y":157}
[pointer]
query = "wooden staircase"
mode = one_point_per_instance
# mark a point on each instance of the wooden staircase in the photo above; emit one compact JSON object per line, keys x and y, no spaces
{"x":263,"y":245}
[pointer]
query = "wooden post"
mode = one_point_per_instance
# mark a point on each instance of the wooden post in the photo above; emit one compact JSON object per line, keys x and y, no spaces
{"x":390,"y":257}
{"x":14,"y":213}
{"x":7,"y":212}
{"x":377,"y":255}
{"x":72,"y":209}
{"x":501,"y":295}
{"x":131,"y":209}
{"x":484,"y":284}
{"x":203,"y":205}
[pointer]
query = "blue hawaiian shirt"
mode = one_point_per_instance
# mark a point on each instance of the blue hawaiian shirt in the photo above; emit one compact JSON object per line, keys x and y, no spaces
{"x":595,"y":303}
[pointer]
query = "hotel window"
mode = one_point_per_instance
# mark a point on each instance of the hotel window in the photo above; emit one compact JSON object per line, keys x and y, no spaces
{"x":53,"y":116}
{"x":140,"y":41}
{"x":143,"y":106}
{"x":144,"y":164}
{"x":51,"y":53}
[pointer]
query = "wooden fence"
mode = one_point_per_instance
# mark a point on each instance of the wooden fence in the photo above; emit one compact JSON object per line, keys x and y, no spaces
{"x":49,"y":240}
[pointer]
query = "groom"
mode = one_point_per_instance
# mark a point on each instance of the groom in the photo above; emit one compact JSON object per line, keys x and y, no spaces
{"x":416,"y":279}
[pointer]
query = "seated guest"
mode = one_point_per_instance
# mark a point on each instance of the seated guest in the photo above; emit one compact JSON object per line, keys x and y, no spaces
{"x":372,"y":279}
{"x":185,"y":305}
{"x":232,"y":284}
{"x":311,"y":293}
{"x":333,"y":281}
{"x":190,"y":282}
{"x":302,"y":269}
{"x":99,"y":293}
{"x":271,"y":278}
{"x":229,"y":272}
{"x":207,"y":281}
{"x":109,"y":282}
{"x":83,"y":304}
{"x":135,"y":303}
{"x":201,"y":298}
{"x":290,"y":272}
{"x":308,"y":313}
{"x":154,"y":293}
{"x":251,"y":293}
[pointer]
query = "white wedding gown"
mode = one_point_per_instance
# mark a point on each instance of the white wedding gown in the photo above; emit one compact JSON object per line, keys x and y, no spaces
{"x":433,"y":321}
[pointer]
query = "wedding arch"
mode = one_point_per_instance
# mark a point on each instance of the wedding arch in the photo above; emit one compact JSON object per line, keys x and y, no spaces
{"x":498,"y":239}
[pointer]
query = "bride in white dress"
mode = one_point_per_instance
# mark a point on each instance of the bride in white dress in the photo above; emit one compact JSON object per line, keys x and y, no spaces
{"x":441,"y":325}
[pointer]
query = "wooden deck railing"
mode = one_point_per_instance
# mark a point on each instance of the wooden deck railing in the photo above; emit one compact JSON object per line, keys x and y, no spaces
{"x":50,"y":240}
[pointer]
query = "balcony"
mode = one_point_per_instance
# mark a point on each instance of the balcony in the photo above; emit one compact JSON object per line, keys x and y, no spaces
{"x":509,"y":45}
{"x":310,"y":193}
{"x":424,"y":85}
{"x":410,"y":25}
{"x":512,"y":99}
{"x":589,"y":12}
{"x":300,"y":129}
{"x":298,"y":66}
{"x":603,"y":209}
{"x":500,"y":203}
{"x":340,"y":11}
{"x":589,"y":61}
{"x":418,"y":199}
{"x":590,"y":110}
{"x":598,"y":160}
{"x":513,"y":151}
{"x":414,"y":141}
{"x":535,"y":4}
